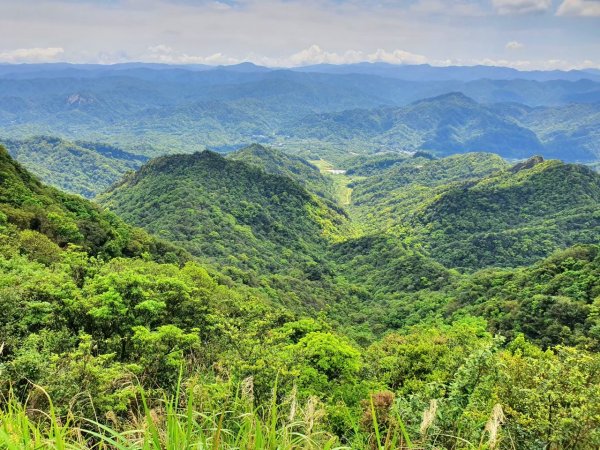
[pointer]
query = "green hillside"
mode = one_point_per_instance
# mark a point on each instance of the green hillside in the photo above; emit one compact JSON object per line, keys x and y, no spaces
{"x":228,"y":211}
{"x":279,"y":163}
{"x":514,"y":217}
{"x":384,"y":201}
{"x":53,"y":219}
{"x":82,"y":168}
{"x":171,"y":353}
{"x":472,"y":211}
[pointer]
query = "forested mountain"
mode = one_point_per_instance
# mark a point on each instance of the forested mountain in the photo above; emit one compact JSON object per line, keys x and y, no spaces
{"x":513,"y":217}
{"x":50,"y":219}
{"x":83,"y":168}
{"x":472,"y":211}
{"x":229,"y":211}
{"x":393,"y":192}
{"x":155,"y":109}
{"x":339,"y":326}
{"x":411,"y":221}
{"x":454,"y":123}
{"x":279,"y":163}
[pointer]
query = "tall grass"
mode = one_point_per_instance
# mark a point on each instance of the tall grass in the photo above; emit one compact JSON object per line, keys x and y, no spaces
{"x":174,"y":423}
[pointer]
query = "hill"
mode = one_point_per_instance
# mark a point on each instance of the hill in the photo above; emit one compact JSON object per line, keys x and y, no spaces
{"x":53,"y":219}
{"x":475,"y":211}
{"x":513,"y":217}
{"x":83,"y":168}
{"x":279,"y":163}
{"x":454,"y":123}
{"x":383,"y":201}
{"x":228,"y":211}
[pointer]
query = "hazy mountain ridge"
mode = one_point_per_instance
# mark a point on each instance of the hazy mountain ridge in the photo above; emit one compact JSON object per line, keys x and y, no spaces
{"x":154,"y":109}
{"x":83,"y":168}
{"x":454,"y":123}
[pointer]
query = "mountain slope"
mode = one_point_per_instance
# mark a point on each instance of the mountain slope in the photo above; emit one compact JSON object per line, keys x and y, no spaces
{"x":451,"y":123}
{"x":26,"y":204}
{"x":382,"y":201}
{"x":228,"y":211}
{"x":474,"y":210}
{"x":513,"y":217}
{"x":277,"y":162}
{"x":454,"y":123}
{"x":83,"y":168}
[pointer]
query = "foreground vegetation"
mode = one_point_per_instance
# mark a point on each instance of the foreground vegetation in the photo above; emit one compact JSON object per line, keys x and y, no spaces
{"x":113,"y":339}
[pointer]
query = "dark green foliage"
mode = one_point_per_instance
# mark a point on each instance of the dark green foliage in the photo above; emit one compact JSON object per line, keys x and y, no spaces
{"x":277,"y":162}
{"x":26,"y":204}
{"x":81,"y":168}
{"x":230,"y":212}
{"x":554,"y":301}
{"x":368,"y":166}
{"x":383,"y":265}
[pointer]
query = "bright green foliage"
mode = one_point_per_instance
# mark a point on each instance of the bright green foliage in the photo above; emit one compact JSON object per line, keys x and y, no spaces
{"x":554,"y":301}
{"x":324,"y":339}
{"x":82,"y":168}
{"x":229,"y":212}
{"x":384,"y":200}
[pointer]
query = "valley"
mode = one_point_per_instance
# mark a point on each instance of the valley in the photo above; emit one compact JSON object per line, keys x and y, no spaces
{"x":241,"y":257}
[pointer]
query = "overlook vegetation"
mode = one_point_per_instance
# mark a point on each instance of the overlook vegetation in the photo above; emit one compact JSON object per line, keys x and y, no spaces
{"x":82,"y":168}
{"x":153,"y":110}
{"x":254,"y":300}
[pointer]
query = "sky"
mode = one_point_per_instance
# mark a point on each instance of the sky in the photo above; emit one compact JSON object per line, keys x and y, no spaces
{"x":524,"y":34}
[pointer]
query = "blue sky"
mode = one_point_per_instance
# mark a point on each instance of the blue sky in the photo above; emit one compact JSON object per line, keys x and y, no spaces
{"x":526,"y":34}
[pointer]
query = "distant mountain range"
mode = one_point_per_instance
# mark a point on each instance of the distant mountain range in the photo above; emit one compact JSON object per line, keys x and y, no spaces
{"x":420,"y":72}
{"x":329,"y":112}
{"x":454,"y":123}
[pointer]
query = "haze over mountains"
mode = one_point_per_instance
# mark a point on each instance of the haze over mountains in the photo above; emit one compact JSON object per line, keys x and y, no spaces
{"x":300,"y":224}
{"x":319,"y":111}
{"x":361,"y":240}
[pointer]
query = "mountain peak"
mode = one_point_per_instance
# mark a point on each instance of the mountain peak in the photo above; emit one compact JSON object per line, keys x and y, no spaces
{"x":451,"y":97}
{"x":528,"y":164}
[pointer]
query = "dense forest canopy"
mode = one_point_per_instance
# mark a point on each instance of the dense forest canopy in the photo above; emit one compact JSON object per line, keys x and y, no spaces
{"x":326,"y":113}
{"x":264,"y":301}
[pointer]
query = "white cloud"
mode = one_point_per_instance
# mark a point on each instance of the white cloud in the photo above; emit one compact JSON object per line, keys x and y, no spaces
{"x":585,"y":8}
{"x":272,"y":31}
{"x":311,"y":55}
{"x":508,"y":7}
{"x":316,"y":55}
{"x":446,"y":8}
{"x":30,"y":55}
{"x":514,"y":45}
{"x":165,"y":54}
